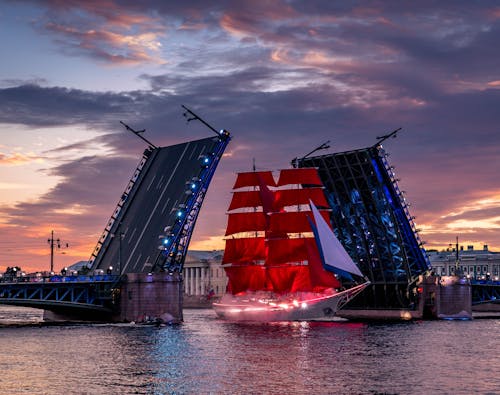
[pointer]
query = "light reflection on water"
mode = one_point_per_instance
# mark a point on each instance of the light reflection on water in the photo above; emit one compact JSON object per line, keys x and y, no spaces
{"x":205,"y":355}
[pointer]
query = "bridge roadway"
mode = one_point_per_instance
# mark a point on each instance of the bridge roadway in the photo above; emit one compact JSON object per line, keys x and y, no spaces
{"x":149,"y":206}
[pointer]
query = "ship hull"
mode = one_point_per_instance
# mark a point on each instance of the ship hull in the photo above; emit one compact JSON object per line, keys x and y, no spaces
{"x":307,"y":307}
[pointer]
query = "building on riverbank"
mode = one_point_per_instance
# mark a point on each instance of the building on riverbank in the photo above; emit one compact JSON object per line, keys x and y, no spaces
{"x":204,"y":278}
{"x":476,"y":264}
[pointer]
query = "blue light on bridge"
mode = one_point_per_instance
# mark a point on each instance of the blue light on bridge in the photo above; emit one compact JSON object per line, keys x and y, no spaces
{"x":205,"y":160}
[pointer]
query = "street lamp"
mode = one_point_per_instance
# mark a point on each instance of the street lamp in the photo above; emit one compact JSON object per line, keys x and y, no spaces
{"x":458,"y":272}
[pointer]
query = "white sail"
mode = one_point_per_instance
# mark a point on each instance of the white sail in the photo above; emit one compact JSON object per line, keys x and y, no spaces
{"x":334,"y":254}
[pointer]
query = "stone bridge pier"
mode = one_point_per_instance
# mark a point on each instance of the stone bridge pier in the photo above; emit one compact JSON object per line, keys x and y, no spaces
{"x":149,"y":298}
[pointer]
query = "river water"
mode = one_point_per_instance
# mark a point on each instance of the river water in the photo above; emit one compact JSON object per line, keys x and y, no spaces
{"x":205,"y":355}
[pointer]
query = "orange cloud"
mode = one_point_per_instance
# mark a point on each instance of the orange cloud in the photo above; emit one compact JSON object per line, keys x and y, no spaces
{"x":209,"y":243}
{"x":314,"y":58}
{"x":18,"y":159}
{"x":32,"y":252}
{"x":279,"y":55}
{"x":494,"y":13}
{"x":117,"y":48}
{"x":483,"y":203}
{"x":474,"y":220}
{"x":247,"y":21}
{"x":106,"y":31}
{"x":236,"y":27}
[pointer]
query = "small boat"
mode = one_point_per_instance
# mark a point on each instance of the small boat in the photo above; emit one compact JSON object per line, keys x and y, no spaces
{"x":282,"y":258}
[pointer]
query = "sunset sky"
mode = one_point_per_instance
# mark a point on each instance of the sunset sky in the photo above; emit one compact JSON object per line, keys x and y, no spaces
{"x":281,"y":76}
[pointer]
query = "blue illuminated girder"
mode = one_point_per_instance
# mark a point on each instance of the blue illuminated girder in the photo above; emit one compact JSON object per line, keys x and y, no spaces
{"x":485,"y":292}
{"x":174,"y":252}
{"x":371,"y":218}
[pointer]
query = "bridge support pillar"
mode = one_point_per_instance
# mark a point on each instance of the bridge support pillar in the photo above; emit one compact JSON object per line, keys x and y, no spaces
{"x":151,"y":298}
{"x":447,"y":297}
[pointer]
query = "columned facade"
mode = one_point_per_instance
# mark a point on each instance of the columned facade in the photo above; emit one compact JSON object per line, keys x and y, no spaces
{"x":204,"y":278}
{"x":475,"y":264}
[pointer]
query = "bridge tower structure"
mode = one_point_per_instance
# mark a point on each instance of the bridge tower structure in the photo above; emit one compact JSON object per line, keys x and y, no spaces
{"x":371,"y":218}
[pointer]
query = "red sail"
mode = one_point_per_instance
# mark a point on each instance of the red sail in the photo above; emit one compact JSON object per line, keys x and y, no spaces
{"x":252,"y":179}
{"x":281,"y":273}
{"x":294,"y":197}
{"x":320,"y":278}
{"x":246,"y":222}
{"x":293,"y":221}
{"x":306,"y":175}
{"x":290,"y":279}
{"x":245,"y":278}
{"x":267,"y":196}
{"x":282,"y":251}
{"x":282,"y":278}
{"x":245,"y":199}
{"x":302,"y":280}
{"x":244,"y":250}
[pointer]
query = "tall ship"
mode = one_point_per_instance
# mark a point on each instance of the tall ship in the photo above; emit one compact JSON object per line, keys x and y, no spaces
{"x":282,"y":259}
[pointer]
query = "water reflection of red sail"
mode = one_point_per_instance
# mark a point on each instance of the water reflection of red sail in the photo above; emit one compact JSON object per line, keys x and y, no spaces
{"x":274,"y":256}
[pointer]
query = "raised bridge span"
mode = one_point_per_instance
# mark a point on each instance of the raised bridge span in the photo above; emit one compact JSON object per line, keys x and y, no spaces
{"x":135,"y":271}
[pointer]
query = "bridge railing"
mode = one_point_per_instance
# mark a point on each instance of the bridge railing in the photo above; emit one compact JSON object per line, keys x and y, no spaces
{"x":485,"y":282}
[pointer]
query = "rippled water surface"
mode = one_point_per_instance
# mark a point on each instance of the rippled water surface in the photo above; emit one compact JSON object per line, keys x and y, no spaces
{"x":205,"y":355}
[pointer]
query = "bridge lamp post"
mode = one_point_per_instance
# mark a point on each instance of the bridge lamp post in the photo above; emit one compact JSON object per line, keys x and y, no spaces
{"x":54,"y":243}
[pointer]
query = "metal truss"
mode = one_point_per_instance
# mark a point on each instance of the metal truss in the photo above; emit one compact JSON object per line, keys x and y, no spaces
{"x":485,"y":292}
{"x":175,"y":243}
{"x":370,"y":216}
{"x":417,"y":259}
{"x":91,"y":293}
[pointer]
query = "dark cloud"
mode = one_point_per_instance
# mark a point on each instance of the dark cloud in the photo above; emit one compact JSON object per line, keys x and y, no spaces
{"x":12,"y":82}
{"x":51,"y":106}
{"x":87,"y":181}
